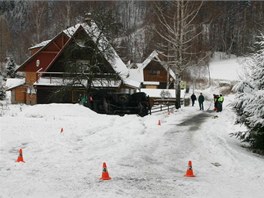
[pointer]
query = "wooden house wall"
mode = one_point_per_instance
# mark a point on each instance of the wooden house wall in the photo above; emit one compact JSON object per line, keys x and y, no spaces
{"x":18,"y":95}
{"x":154,"y":71}
{"x":44,"y":60}
{"x":31,"y":77}
{"x":56,"y":44}
{"x":31,"y":99}
{"x":46,"y":56}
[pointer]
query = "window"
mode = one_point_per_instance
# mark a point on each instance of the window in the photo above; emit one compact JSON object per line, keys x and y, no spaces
{"x":154,"y":72}
{"x":37,"y":63}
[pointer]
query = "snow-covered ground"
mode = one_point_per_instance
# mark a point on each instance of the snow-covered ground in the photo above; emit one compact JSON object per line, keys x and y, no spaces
{"x":227,"y":69}
{"x":144,"y":159}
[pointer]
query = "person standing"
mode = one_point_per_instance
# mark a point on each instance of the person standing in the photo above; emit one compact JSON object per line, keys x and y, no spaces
{"x":220,"y":101}
{"x":201,"y":100}
{"x":91,"y":101}
{"x":216,"y":106}
{"x":193,"y":98}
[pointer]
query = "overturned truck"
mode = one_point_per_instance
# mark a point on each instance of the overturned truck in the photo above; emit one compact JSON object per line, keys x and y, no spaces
{"x":121,"y":103}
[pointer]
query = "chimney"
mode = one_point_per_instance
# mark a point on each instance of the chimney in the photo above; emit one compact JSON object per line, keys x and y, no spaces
{"x":88,"y":18}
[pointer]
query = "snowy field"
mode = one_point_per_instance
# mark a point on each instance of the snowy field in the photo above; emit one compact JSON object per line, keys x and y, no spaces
{"x":229,"y":69}
{"x":144,"y":159}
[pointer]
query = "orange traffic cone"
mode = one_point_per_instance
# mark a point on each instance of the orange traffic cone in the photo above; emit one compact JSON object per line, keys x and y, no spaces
{"x":61,"y":130}
{"x":20,"y":156}
{"x":189,"y":172}
{"x":159,"y":123}
{"x":105,"y":175}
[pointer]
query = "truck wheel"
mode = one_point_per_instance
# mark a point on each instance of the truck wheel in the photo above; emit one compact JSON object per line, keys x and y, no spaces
{"x":142,"y":111}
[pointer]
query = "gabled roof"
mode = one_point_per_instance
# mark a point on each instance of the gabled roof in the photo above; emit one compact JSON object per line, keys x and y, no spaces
{"x":152,"y":56}
{"x":155,"y":56}
{"x":102,"y":43}
{"x":138,"y":74}
{"x":42,"y":44}
{"x":12,"y":83}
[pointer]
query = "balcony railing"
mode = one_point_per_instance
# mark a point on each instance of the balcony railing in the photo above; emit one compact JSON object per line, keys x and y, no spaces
{"x":63,"y":78}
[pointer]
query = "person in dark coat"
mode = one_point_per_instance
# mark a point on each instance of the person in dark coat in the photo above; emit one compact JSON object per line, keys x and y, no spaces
{"x":193,"y":98}
{"x":201,"y":100}
{"x":220,"y":101}
{"x":216,"y":103}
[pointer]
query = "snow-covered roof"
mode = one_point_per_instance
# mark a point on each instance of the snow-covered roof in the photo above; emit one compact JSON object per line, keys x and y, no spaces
{"x":103,"y":44}
{"x":42,"y":44}
{"x":155,"y":55}
{"x":136,"y":74}
{"x":14,"y":82}
{"x":132,"y":83}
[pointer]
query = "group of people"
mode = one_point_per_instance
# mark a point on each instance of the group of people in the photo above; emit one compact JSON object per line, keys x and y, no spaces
{"x":84,"y":100}
{"x":218,"y":101}
{"x":200,"y":100}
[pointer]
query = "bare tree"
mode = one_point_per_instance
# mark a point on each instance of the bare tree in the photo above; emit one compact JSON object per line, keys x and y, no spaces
{"x":180,"y":31}
{"x":64,"y":13}
{"x":86,"y":61}
{"x":37,"y":15}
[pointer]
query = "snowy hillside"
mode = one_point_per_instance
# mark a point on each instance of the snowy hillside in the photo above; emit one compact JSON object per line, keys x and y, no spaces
{"x":64,"y":147}
{"x":226,"y":69}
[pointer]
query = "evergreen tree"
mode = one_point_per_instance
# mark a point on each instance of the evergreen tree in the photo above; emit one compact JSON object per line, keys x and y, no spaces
{"x":250,"y":99}
{"x":2,"y":93}
{"x":10,"y":68}
{"x":2,"y":90}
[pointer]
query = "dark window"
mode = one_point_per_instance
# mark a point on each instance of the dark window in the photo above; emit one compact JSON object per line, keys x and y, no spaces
{"x":154,"y":72}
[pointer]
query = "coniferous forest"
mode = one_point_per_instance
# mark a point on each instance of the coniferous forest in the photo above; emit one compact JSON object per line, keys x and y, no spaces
{"x":226,"y":26}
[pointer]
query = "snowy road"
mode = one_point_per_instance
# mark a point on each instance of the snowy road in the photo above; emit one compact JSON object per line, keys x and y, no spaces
{"x":143,"y":158}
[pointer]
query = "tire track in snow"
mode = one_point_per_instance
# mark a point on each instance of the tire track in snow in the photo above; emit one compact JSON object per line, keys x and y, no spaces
{"x":156,"y":159}
{"x":183,"y":133}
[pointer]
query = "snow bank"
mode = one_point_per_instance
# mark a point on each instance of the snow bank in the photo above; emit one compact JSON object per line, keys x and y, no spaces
{"x":144,"y":159}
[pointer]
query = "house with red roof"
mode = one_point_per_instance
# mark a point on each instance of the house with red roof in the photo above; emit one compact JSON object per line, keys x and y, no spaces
{"x":46,"y":69}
